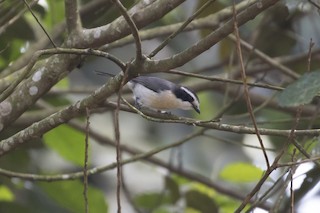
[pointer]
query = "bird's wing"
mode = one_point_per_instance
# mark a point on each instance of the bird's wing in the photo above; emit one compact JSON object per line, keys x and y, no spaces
{"x":154,"y":83}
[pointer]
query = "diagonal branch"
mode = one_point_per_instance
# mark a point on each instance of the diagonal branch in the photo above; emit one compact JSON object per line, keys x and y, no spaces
{"x":246,"y":89}
{"x":183,"y":57}
{"x":133,"y":27}
{"x":264,"y":57}
{"x":58,"y":66}
{"x":180,"y":29}
{"x":101,"y":35}
{"x":53,"y":72}
{"x":37,"y":20}
{"x":9,"y":23}
{"x":274,"y":165}
{"x":144,"y":156}
{"x":39,"y":53}
{"x":212,"y":22}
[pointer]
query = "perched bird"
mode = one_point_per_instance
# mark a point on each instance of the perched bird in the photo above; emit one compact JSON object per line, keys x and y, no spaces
{"x":160,"y":94}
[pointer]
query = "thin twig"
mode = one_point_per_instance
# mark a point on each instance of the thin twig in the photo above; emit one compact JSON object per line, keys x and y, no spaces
{"x":85,"y":168}
{"x":224,"y":140}
{"x":314,"y":4}
{"x":75,"y":175}
{"x":117,"y":138}
{"x":37,"y":20}
{"x":180,"y":29}
{"x":138,"y":155}
{"x":294,"y":142}
{"x":291,"y":184}
{"x":118,"y":154}
{"x":134,"y":29}
{"x":127,"y":193}
{"x":9,"y":23}
{"x":274,"y":164}
{"x":269,"y":192}
{"x":212,"y":78}
{"x":287,"y":71}
{"x":246,"y":90}
{"x":311,"y":44}
{"x":204,"y":44}
{"x":39,"y":128}
{"x":210,"y":22}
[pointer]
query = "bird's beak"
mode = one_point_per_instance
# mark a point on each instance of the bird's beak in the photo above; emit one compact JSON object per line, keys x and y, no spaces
{"x":196,"y":108}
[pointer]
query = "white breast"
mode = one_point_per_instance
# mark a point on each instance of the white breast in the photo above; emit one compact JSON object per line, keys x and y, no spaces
{"x":164,"y":100}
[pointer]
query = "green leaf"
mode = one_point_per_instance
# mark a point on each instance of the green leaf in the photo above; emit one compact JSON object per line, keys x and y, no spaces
{"x":151,"y":201}
{"x":301,"y":91}
{"x":68,"y":142}
{"x":162,"y":209}
{"x":69,"y":194}
{"x":56,"y":14}
{"x":201,"y":202}
{"x":191,"y":210}
{"x":6,"y":194}
{"x":63,"y":84}
{"x":208,"y":107}
{"x":227,"y":204}
{"x":173,"y":188}
{"x":241,"y":172}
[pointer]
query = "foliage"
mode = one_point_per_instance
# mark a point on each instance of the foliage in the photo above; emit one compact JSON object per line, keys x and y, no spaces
{"x":301,"y":91}
{"x":241,"y":172}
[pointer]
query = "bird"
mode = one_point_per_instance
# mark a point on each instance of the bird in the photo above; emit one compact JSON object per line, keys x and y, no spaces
{"x":160,"y":95}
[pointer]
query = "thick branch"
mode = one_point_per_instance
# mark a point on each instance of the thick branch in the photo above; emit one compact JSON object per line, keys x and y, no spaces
{"x":133,"y":27}
{"x":119,"y":28}
{"x":180,"y":59}
{"x":72,"y":16}
{"x":59,"y":66}
{"x":63,"y":116}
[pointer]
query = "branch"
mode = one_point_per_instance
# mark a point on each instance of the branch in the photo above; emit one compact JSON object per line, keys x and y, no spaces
{"x":133,"y":27}
{"x":246,"y":89}
{"x":180,"y":29}
{"x":39,"y":128}
{"x":181,"y":58}
{"x":272,"y":62}
{"x":211,"y":22}
{"x":73,"y":20}
{"x":139,"y":156}
{"x":6,"y":25}
{"x":56,"y":32}
{"x":225,"y":80}
{"x":58,"y":66}
{"x":85,"y":167}
{"x":38,"y":83}
{"x":135,"y":152}
{"x":270,"y":169}
{"x":101,"y":35}
{"x":37,"y":20}
{"x":316,"y":5}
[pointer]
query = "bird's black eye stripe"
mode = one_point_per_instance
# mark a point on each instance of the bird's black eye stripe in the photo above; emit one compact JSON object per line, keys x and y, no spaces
{"x":183,"y":95}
